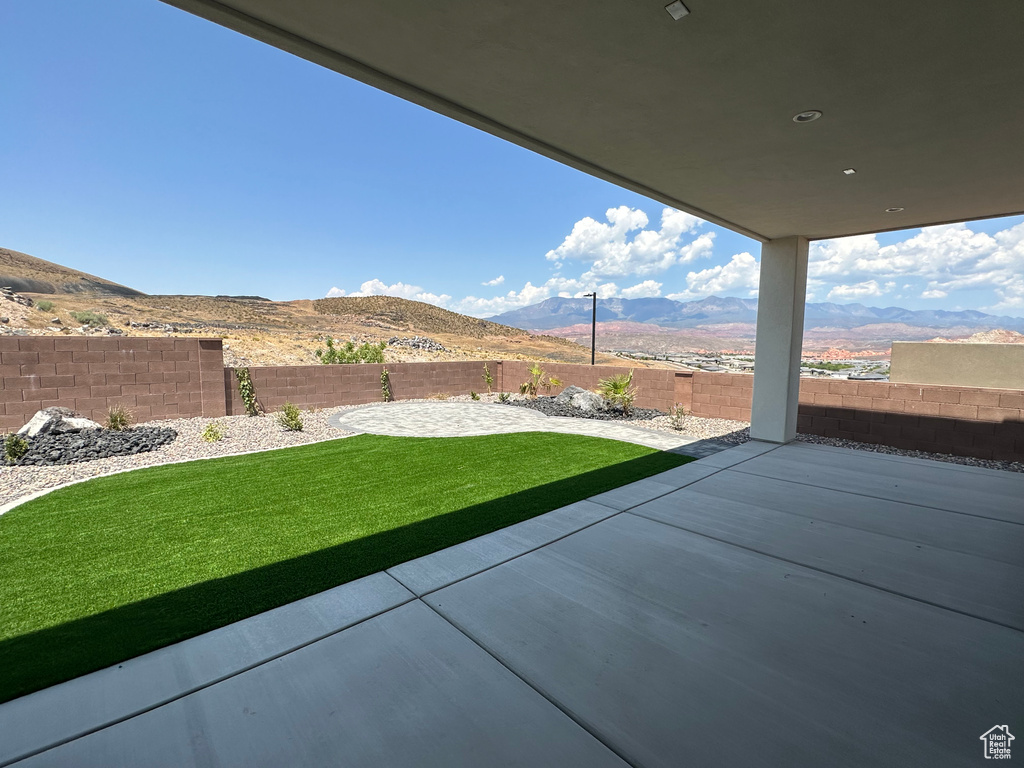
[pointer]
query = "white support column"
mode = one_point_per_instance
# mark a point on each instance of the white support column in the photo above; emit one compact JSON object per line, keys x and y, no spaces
{"x":780,"y":332}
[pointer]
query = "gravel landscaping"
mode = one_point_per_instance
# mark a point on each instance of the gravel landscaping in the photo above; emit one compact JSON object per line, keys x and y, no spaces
{"x":244,"y":434}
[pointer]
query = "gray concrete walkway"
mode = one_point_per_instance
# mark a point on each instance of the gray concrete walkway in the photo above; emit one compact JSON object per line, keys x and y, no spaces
{"x":442,"y":419}
{"x":778,"y":606}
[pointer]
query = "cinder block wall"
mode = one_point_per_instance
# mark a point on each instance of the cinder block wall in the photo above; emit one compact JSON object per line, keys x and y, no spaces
{"x":964,"y":421}
{"x":154,"y":378}
{"x":326,"y":386}
{"x":655,"y":388}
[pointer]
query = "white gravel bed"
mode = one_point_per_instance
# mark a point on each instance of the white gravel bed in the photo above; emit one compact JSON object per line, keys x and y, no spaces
{"x":724,"y":430}
{"x":242,"y":434}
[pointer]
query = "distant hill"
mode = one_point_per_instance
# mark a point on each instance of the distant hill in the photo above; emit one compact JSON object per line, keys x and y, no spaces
{"x":27,"y":274}
{"x":397,"y":313}
{"x":666,"y":313}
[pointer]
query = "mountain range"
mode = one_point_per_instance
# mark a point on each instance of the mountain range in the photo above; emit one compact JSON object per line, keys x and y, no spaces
{"x":557,"y":313}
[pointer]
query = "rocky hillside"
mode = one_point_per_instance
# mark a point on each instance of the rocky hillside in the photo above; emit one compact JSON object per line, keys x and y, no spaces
{"x":402,"y":314}
{"x":27,"y":274}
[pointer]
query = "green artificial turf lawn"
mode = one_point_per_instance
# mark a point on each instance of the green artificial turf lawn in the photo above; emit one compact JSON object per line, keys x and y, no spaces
{"x":105,"y":570}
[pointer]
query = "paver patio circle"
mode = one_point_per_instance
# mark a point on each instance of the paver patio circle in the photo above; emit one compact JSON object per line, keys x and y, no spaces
{"x":443,"y":419}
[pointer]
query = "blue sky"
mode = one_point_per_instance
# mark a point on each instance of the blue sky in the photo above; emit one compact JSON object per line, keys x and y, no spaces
{"x":153,"y":148}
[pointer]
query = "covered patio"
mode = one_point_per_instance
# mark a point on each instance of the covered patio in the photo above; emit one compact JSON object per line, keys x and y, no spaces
{"x":769,"y":605}
{"x":772,"y":604}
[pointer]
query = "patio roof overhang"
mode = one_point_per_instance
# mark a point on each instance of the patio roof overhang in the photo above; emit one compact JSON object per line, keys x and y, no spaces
{"x":921,"y":98}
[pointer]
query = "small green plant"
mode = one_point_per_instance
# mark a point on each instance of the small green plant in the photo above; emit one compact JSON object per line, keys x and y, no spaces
{"x":488,"y":378}
{"x":350,"y":353}
{"x":289,"y":417}
{"x":618,"y":390}
{"x":247,"y":392}
{"x":90,"y":318}
{"x":385,"y":385}
{"x":15,"y":446}
{"x":473,"y":395}
{"x":677,"y":415}
{"x":504,"y":397}
{"x":213,"y":433}
{"x":119,"y":418}
{"x":538,"y":380}
{"x":44,"y":305}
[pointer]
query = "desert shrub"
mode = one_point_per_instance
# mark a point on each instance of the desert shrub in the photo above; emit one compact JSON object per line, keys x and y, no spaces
{"x":247,"y":391}
{"x":385,"y":386}
{"x":618,"y":390}
{"x":289,"y":417}
{"x":350,"y":353}
{"x":44,"y":305}
{"x":119,"y":418}
{"x":488,"y":378}
{"x":538,"y":380}
{"x":90,"y":318}
{"x":677,"y":415}
{"x":473,"y":395}
{"x":213,"y":433}
{"x":15,"y":446}
{"x":504,"y":397}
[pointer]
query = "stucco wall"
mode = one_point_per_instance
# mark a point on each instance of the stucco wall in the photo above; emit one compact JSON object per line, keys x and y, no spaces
{"x":963,"y":365}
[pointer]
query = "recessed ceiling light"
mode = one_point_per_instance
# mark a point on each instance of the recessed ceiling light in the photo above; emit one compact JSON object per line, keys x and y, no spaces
{"x":677,"y":10}
{"x":893,"y":210}
{"x":849,"y":171}
{"x":807,"y":117}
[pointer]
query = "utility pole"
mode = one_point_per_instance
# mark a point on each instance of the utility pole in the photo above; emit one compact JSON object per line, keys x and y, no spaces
{"x":593,"y":328}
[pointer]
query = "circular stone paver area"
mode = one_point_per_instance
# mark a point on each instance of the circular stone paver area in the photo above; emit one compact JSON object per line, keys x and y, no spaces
{"x":464,"y":419}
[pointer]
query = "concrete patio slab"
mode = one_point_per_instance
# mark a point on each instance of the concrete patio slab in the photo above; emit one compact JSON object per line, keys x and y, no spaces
{"x":627,"y":496}
{"x":930,"y":484}
{"x":403,"y":689}
{"x":739,"y":454}
{"x":425,"y":574}
{"x":61,"y":713}
{"x":675,"y":649}
{"x":971,"y":584}
{"x":993,"y":539}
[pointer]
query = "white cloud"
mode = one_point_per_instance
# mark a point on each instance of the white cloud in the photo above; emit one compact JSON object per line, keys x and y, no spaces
{"x":496,"y":281}
{"x":608,"y":249}
{"x":377,"y":287}
{"x":856,"y":291}
{"x":740,"y":274}
{"x":941,"y":259}
{"x":644,"y":290}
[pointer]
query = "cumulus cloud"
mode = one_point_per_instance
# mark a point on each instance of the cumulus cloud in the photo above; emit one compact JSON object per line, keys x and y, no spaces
{"x":496,"y":281}
{"x":940,"y":259}
{"x":624,"y":246}
{"x":739,"y":274}
{"x":377,"y":287}
{"x":644,"y":290}
{"x":856,"y":291}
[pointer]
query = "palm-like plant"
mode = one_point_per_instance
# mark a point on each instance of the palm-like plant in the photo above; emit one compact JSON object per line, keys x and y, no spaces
{"x":538,"y":380}
{"x":619,"y":390}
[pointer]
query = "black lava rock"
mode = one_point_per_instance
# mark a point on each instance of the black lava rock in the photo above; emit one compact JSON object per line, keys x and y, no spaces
{"x":52,"y":449}
{"x":549,"y":407}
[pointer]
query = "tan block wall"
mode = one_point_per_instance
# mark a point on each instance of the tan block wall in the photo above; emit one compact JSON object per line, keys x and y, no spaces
{"x":327,"y":386}
{"x":962,"y":365}
{"x":153,"y":378}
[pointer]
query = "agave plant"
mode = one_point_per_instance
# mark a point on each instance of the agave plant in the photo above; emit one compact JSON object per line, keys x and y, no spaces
{"x":619,"y":390}
{"x":538,"y":380}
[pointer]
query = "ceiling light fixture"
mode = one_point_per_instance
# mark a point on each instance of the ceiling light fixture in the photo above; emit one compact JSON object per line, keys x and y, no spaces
{"x":806,"y":117}
{"x":893,"y":210}
{"x":677,"y":10}
{"x":849,"y":171}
